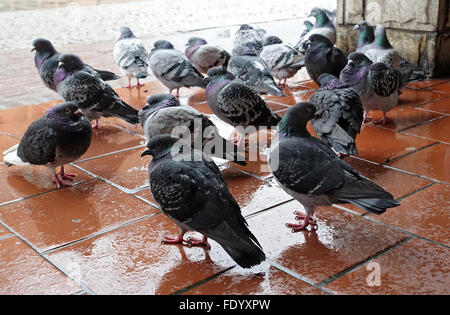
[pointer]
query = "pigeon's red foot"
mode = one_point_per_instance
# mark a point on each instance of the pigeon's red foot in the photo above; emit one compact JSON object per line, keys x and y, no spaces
{"x":195,"y":242}
{"x":383,"y":121}
{"x":96,"y":125}
{"x":341,"y":156}
{"x":173,"y":240}
{"x":307,"y":221}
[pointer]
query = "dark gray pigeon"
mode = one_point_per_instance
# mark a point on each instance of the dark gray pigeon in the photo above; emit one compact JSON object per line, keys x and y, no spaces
{"x":93,"y":96}
{"x":131,"y":56}
{"x":323,"y":26}
{"x":172,"y":68}
{"x":191,"y":192}
{"x":321,"y":57}
{"x":247,"y":41}
{"x":204,"y":56}
{"x":163,"y":114}
{"x":46,"y":60}
{"x":339,"y":115}
{"x":377,"y":84}
{"x":58,"y":138}
{"x":255,"y":72}
{"x":236,"y":103}
{"x":308,"y":170}
{"x":283,"y":60}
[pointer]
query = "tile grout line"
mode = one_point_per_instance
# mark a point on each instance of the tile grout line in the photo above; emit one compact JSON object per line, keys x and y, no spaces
{"x":385,"y":163}
{"x":108,"y":154}
{"x":361,"y":263}
{"x":422,"y":137}
{"x":423,"y":123}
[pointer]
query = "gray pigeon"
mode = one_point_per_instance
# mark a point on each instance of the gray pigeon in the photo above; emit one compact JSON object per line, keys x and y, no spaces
{"x":377,"y":84}
{"x":163,"y":114}
{"x":283,"y":60}
{"x":93,"y":96}
{"x":308,"y":170}
{"x":58,"y":138}
{"x":321,"y":57}
{"x":131,"y":55}
{"x":204,"y":56}
{"x":172,"y":68}
{"x":191,"y":192}
{"x":323,"y":26}
{"x":247,"y":41}
{"x":236,"y":103}
{"x":271,"y":40}
{"x":308,"y":27}
{"x":46,"y":60}
{"x":381,"y":50}
{"x":366,"y":36}
{"x":255,"y":72}
{"x":339,"y":115}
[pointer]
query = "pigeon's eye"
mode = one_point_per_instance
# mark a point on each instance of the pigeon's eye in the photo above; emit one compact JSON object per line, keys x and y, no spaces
{"x":68,"y":111}
{"x":159,"y":144}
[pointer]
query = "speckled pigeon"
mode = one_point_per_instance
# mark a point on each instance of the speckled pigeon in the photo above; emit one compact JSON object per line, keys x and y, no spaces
{"x":131,"y":56}
{"x":255,"y":72}
{"x":172,"y":68}
{"x":323,"y":26}
{"x":236,"y":103}
{"x":283,"y":60}
{"x":247,"y":40}
{"x":58,"y":138}
{"x":321,"y":57}
{"x":377,"y":84}
{"x":46,"y":60}
{"x":163,"y":114}
{"x":381,"y":50}
{"x":93,"y":96}
{"x":339,"y":115}
{"x":191,"y":192}
{"x":205,"y":56}
{"x":309,"y":170}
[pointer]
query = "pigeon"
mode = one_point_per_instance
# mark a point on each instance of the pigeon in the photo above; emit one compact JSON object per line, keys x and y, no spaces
{"x":381,"y":50}
{"x":247,"y":41}
{"x":271,"y":40}
{"x":255,"y":72}
{"x":163,"y":114}
{"x":236,"y":103}
{"x":323,"y":26}
{"x":339,"y":115}
{"x":204,"y":56}
{"x":172,"y":67}
{"x":131,"y":56}
{"x":366,"y":36}
{"x":93,"y":96}
{"x":309,"y":170}
{"x":58,"y":138}
{"x":308,"y":27}
{"x":377,"y":84}
{"x":192,"y":193}
{"x":283,"y":60}
{"x":321,"y":57}
{"x":46,"y":59}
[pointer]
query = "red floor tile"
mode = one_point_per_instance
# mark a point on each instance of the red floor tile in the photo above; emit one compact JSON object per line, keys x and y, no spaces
{"x":404,"y":117}
{"x":57,"y":218}
{"x":273,"y":282}
{"x":399,"y":184}
{"x":19,"y":182}
{"x":23,"y":271}
{"x":301,"y":96}
{"x":418,"y":97}
{"x":417,"y":267}
{"x":132,"y":260}
{"x":380,"y":145}
{"x":441,"y":88}
{"x":441,"y":106}
{"x":437,"y":130}
{"x":4,"y":232}
{"x":7,"y":142}
{"x":433,"y":162}
{"x":425,"y":213}
{"x":126,"y":169}
{"x":342,"y":240}
{"x":426,"y":83}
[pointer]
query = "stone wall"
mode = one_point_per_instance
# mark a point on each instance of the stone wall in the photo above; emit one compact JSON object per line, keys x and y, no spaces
{"x":418,"y":29}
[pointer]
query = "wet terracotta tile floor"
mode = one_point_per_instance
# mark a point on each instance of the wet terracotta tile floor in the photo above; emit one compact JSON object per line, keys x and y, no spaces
{"x":103,"y":235}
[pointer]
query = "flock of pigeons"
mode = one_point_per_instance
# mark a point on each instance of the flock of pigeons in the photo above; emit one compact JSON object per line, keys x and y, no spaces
{"x":187,"y":184}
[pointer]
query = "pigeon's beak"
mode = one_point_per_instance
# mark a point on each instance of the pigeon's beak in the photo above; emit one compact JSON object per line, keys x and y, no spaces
{"x":206,"y":80}
{"x":60,"y":64}
{"x":356,"y":28}
{"x":34,"y":49}
{"x":146,"y":152}
{"x":78,"y":113}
